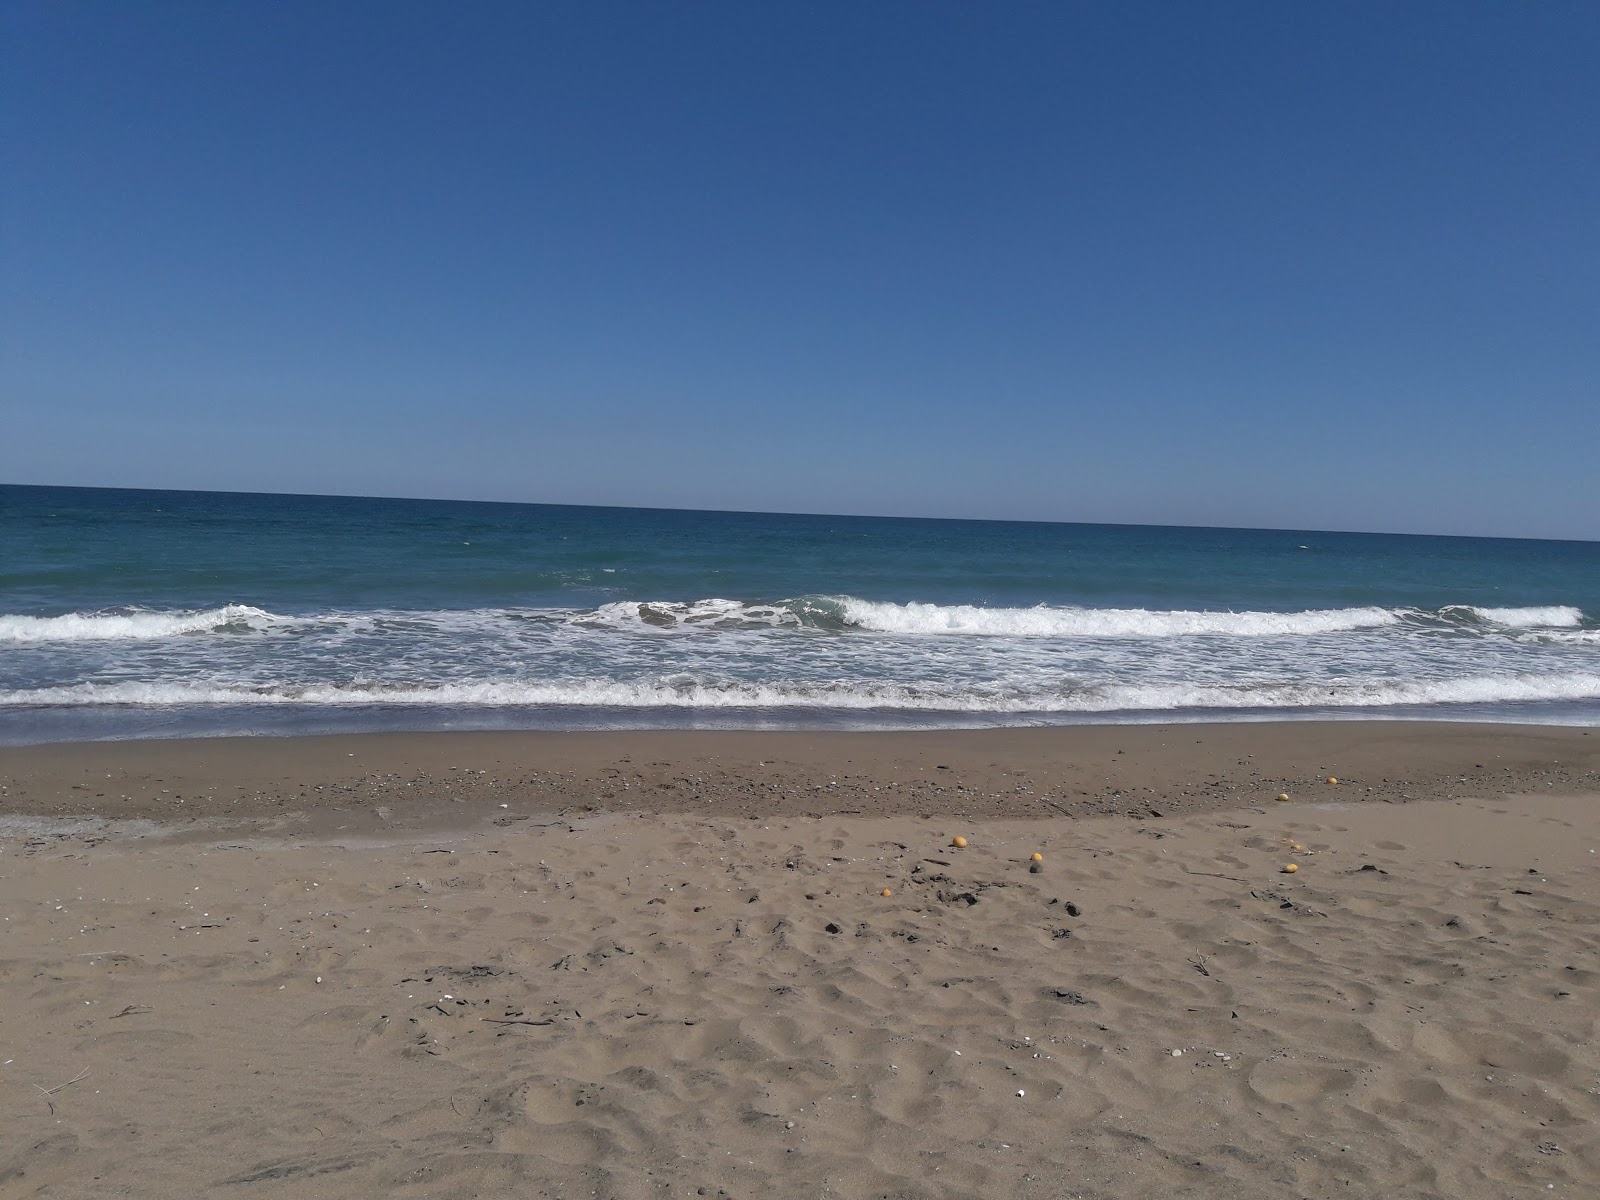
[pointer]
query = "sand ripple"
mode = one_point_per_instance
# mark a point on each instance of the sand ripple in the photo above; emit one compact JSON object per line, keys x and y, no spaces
{"x":653,"y":1006}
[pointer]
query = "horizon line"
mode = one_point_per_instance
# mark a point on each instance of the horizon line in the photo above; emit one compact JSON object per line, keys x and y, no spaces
{"x":754,"y":512}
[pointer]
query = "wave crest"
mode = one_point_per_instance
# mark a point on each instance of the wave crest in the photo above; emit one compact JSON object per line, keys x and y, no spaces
{"x":134,"y":624}
{"x":835,"y":614}
{"x":709,"y":613}
{"x":916,"y":618}
{"x":1550,"y":616}
{"x":1044,"y":621}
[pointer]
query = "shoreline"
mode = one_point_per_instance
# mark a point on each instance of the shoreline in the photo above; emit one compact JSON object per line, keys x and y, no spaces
{"x":48,"y":725}
{"x":1072,"y":771}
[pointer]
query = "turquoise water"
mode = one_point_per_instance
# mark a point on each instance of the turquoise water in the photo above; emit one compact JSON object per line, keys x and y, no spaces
{"x":128,"y":613}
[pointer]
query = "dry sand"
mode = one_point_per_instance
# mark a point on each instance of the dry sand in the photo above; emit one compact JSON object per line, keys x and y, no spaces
{"x":396,"y":987}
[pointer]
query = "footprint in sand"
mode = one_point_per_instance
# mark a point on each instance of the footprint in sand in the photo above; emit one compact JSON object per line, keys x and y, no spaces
{"x":1525,"y":1054}
{"x":1280,"y":1081}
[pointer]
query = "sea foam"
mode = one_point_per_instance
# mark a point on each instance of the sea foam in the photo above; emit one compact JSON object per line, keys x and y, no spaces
{"x":1045,"y":621}
{"x":828,"y":613}
{"x":133,"y":624}
{"x":680,"y":692}
{"x":915,"y":618}
{"x":1553,"y":616}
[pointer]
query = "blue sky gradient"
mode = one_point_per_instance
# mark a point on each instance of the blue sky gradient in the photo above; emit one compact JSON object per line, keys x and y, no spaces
{"x":1332,"y":266}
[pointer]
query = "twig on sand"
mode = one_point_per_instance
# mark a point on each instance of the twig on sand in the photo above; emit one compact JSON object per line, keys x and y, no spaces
{"x":1212,"y":875}
{"x":48,"y":1092}
{"x":517,"y":1021}
{"x":1198,"y":962}
{"x":59,"y":1086}
{"x":133,"y":1010}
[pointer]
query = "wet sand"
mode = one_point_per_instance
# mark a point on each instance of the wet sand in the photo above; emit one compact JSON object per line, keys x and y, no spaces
{"x":1063,"y":771}
{"x":340,"y":968}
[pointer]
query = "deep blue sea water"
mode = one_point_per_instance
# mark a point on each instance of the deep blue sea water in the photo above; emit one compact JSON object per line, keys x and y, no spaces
{"x":143,"y":613}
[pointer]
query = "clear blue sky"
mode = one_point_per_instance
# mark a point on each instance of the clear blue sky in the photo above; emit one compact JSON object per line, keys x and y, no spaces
{"x":1318,"y":265}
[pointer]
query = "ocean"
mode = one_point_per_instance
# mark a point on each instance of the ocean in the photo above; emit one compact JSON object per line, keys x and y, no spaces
{"x":159,"y":614}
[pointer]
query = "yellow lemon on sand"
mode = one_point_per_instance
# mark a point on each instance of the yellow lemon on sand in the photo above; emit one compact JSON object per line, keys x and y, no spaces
{"x":1037,"y":857}
{"x":886,"y":892}
{"x":1332,"y":779}
{"x":958,"y":842}
{"x":1291,"y":868}
{"x":1283,"y":795}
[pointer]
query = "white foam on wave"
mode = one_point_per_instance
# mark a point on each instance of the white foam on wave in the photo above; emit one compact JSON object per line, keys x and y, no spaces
{"x":669,"y":614}
{"x":1559,"y":637}
{"x":133,"y":624}
{"x":713,"y":614}
{"x":918,"y":618}
{"x":1550,"y":616}
{"x":1043,"y":621}
{"x":685,"y":692}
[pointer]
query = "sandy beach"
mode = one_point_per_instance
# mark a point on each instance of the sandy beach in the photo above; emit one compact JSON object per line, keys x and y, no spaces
{"x":799,"y":602}
{"x":631,"y":965}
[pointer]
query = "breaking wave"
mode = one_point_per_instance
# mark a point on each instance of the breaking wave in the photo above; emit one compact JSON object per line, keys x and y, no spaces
{"x":847,"y":613}
{"x":1102,"y":622}
{"x":838,"y":614}
{"x":135,"y":624}
{"x":1554,"y":616}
